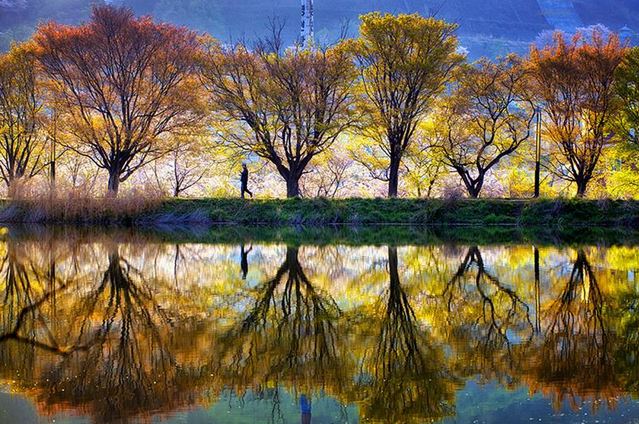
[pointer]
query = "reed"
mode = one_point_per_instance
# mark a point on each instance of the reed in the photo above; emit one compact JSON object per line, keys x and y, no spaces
{"x":77,"y":206}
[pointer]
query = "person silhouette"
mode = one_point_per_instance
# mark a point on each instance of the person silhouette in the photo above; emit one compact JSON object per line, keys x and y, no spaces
{"x":244,"y":181}
{"x":244,"y":260}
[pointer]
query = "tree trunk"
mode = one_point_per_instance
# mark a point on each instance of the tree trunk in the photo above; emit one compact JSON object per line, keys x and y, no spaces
{"x":393,"y":177}
{"x":114,"y":183}
{"x":11,"y":187}
{"x":392,"y":265}
{"x":474,"y":189}
{"x":292,"y":186}
{"x":581,"y":187}
{"x":473,"y":186}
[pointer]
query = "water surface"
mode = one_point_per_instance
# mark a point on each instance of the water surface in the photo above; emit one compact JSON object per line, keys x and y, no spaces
{"x":236,"y":328}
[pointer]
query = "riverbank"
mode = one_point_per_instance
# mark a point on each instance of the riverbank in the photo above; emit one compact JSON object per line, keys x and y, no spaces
{"x":318,"y":212}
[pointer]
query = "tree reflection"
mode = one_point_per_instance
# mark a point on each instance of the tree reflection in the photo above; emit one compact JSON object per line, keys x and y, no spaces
{"x":574,"y":358}
{"x":126,"y":366}
{"x":114,"y":357}
{"x":484,"y":318}
{"x":102,"y":329}
{"x":289,"y":334}
{"x":405,"y":375}
{"x":27,"y":289}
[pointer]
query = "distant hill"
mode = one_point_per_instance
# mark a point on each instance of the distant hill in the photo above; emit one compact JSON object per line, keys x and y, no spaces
{"x":487,"y":27}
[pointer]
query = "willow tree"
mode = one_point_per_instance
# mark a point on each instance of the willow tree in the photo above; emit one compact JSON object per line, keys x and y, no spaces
{"x":285,"y":106}
{"x":21,"y":115}
{"x":404,"y":63}
{"x":485,"y":118}
{"x":123,"y":85}
{"x":575,"y":85}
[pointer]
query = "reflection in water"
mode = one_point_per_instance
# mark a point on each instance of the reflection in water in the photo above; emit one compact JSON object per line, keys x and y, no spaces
{"x":485,"y":317}
{"x":122,"y":327}
{"x":244,"y":260}
{"x":574,"y":355}
{"x":409,"y":377}
{"x":287,"y":336}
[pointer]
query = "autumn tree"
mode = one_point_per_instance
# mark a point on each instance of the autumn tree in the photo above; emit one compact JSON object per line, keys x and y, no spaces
{"x":621,"y":176}
{"x":626,"y":121}
{"x":404,"y":62}
{"x":485,"y":117}
{"x":284,"y":105}
{"x":21,"y":115}
{"x":574,"y":82}
{"x":124,"y":85}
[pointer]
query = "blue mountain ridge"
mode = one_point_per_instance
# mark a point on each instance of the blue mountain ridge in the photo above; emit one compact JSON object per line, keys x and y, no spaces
{"x":486,"y":27}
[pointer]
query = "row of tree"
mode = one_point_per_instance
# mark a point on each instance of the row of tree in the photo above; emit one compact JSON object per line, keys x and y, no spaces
{"x":122,"y":92}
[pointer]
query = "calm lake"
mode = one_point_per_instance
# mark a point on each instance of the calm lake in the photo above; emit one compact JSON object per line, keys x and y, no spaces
{"x":298,"y":326}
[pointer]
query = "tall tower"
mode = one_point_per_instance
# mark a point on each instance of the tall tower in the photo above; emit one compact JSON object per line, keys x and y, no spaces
{"x":307,"y":31}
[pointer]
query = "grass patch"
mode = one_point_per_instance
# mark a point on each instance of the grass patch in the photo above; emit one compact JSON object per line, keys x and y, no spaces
{"x":317,"y":212}
{"x":408,"y":211}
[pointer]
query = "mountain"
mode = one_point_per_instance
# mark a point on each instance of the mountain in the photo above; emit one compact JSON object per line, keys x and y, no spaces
{"x":486,"y":27}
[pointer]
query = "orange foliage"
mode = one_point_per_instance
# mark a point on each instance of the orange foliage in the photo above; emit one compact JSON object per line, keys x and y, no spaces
{"x":574,"y":82}
{"x":122,"y":83}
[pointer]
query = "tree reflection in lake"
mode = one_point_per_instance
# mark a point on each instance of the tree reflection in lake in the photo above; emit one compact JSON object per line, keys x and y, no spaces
{"x":574,"y":358}
{"x":110,"y":345}
{"x":288,"y":336}
{"x":405,"y":375}
{"x":485,"y":317}
{"x":117,"y":327}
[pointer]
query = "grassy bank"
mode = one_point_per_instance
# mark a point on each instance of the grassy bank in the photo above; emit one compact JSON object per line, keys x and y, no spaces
{"x":402,"y":211}
{"x":315,"y":212}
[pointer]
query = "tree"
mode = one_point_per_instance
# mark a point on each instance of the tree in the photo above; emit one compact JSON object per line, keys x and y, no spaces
{"x":626,"y":121}
{"x":183,"y":169}
{"x":284,"y":106}
{"x":574,"y":82}
{"x":485,"y":118}
{"x":21,"y":115}
{"x":123,"y":83}
{"x":404,"y":63}
{"x":424,"y":168}
{"x":328,"y":176}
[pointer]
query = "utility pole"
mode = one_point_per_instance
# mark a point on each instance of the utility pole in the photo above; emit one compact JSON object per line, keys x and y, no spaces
{"x":537,"y":152}
{"x":307,"y":28}
{"x":53,"y":153}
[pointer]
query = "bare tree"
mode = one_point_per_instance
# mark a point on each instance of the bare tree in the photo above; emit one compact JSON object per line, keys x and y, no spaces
{"x":182,"y":169}
{"x":328,"y":178}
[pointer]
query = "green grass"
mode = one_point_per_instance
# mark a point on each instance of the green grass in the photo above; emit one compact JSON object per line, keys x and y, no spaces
{"x":558,"y":212}
{"x":318,"y":212}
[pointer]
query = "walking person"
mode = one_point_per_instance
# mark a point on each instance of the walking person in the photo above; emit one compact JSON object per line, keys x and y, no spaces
{"x":244,"y":181}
